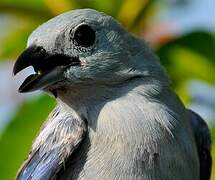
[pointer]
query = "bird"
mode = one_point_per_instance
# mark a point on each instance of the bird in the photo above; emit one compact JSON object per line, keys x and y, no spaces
{"x":117,"y":116}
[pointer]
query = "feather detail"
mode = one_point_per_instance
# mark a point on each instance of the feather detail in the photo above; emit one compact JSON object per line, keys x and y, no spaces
{"x":55,"y":143}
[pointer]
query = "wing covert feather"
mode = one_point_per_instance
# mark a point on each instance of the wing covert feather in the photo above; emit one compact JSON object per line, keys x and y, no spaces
{"x":57,"y":140}
{"x":203,"y":142}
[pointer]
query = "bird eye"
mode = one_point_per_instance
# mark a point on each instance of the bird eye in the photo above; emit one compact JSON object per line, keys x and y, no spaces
{"x":84,"y":36}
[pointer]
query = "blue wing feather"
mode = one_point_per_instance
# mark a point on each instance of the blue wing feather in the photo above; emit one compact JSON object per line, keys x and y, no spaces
{"x":41,"y":167}
{"x":60,"y":136}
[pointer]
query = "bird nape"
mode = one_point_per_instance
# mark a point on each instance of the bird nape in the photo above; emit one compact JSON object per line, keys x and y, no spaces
{"x":116,"y":115}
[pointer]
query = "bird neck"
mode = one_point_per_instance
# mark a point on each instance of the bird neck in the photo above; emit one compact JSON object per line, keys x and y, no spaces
{"x":81,"y":98}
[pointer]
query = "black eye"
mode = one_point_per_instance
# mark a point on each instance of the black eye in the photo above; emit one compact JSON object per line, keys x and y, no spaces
{"x":84,"y":36}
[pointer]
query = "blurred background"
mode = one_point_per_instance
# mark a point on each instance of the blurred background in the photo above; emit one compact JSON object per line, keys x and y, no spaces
{"x":182,"y":32}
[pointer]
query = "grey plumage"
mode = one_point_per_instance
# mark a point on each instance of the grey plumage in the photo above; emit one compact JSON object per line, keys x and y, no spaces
{"x":117,"y":117}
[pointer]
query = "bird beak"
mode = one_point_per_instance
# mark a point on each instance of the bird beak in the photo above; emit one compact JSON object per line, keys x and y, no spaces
{"x":49,"y":68}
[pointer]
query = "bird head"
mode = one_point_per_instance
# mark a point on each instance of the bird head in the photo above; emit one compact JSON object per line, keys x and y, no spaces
{"x":83,"y":47}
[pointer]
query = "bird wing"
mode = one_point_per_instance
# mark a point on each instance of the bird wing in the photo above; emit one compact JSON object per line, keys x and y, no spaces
{"x":203,"y":142}
{"x":58,"y":139}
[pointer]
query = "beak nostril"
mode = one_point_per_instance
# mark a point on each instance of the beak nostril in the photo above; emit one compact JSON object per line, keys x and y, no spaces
{"x":39,"y":49}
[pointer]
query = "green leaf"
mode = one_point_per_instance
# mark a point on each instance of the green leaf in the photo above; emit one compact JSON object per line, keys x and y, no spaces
{"x":201,"y":42}
{"x":131,"y":19}
{"x":24,"y":7}
{"x":110,"y":7}
{"x":14,"y":44}
{"x":15,"y":32}
{"x":190,"y":57}
{"x":188,"y":64}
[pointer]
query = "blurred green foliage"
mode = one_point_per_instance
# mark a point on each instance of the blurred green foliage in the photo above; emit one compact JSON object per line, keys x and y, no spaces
{"x":191,"y":56}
